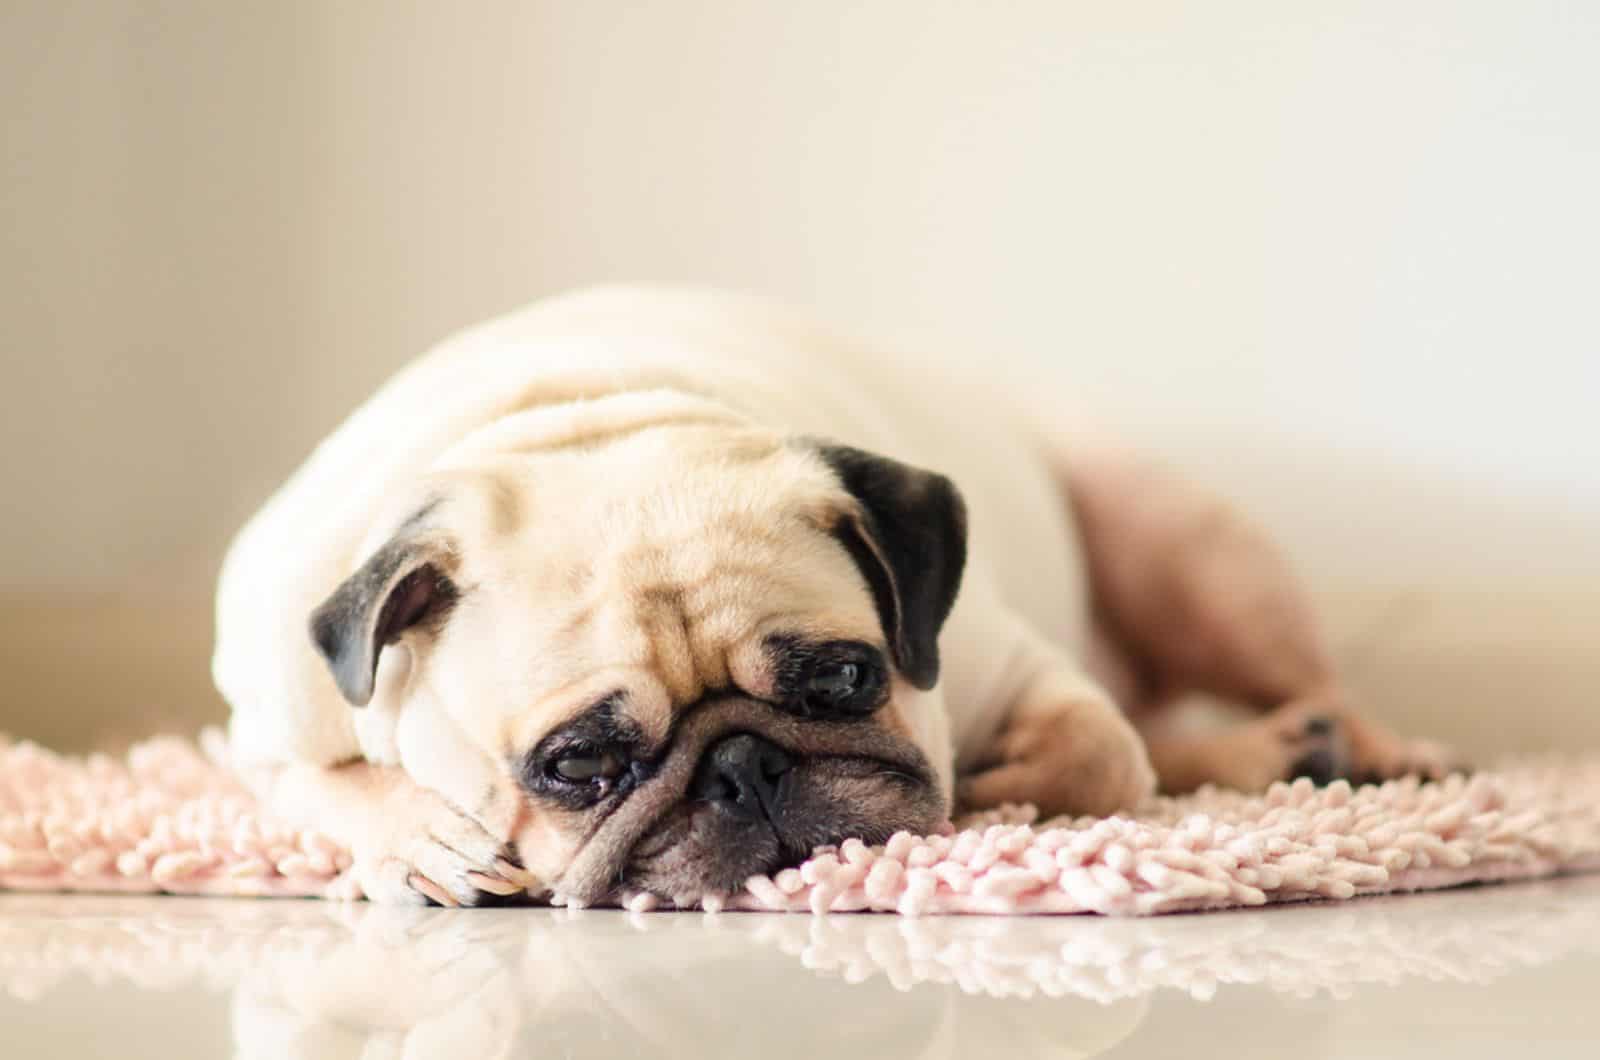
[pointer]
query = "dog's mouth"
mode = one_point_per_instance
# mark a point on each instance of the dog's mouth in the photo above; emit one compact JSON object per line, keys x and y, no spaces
{"x":747,"y":792}
{"x":705,"y":847}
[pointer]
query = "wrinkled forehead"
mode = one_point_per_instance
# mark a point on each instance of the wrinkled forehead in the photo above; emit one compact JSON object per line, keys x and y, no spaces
{"x":681,"y":617}
{"x":661,"y":593}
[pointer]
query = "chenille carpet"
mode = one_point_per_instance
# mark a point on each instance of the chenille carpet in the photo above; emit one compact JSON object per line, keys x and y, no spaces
{"x":169,"y":817}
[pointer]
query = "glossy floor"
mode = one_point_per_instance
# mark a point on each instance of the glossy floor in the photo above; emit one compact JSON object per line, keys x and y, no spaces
{"x":1471,"y":973}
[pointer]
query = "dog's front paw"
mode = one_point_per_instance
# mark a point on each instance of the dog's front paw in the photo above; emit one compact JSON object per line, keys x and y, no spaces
{"x":421,"y":849}
{"x":1073,"y":757}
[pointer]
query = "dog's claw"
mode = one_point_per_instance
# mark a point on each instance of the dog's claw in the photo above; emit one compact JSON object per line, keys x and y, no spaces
{"x":494,"y":884}
{"x":516,"y":874}
{"x":426,"y":887}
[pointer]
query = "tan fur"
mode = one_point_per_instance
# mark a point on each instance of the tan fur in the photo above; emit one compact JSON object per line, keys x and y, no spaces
{"x":1065,"y":748}
{"x":1195,"y":599}
{"x":621,"y":486}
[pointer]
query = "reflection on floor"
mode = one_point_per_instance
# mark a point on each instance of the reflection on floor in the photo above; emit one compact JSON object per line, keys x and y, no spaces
{"x":310,"y":979}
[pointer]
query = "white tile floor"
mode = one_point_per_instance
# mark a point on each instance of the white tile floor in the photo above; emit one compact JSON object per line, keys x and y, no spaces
{"x":1461,"y":974}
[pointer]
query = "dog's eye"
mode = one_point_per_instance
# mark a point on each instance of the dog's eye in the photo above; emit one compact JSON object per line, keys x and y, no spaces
{"x":840,"y":680}
{"x":832,"y":685}
{"x":587,"y":767}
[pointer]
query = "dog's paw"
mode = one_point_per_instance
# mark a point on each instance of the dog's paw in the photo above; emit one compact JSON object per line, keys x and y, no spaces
{"x":1308,"y":743}
{"x":422,"y":850}
{"x":1081,"y":759}
{"x":1117,"y":773}
{"x":1392,"y":757}
{"x":1325,"y":741}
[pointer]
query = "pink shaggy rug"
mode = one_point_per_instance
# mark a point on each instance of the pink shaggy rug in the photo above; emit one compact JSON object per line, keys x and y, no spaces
{"x":168,"y":817}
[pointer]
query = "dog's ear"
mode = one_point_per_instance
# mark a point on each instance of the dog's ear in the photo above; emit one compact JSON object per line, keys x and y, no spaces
{"x":908,"y":534}
{"x":405,"y":583}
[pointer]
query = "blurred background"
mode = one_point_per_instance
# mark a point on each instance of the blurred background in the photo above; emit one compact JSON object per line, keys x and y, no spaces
{"x":1338,"y":260}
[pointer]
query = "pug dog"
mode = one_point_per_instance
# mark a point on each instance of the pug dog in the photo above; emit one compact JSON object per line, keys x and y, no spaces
{"x":650,"y":591}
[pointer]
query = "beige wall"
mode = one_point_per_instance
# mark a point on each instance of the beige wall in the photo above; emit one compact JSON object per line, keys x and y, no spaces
{"x":1343,"y":264}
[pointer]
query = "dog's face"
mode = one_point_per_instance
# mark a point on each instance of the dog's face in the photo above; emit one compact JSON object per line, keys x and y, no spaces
{"x":700,"y":651}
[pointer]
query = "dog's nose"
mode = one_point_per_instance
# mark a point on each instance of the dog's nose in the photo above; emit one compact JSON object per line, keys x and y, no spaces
{"x":741,"y":774}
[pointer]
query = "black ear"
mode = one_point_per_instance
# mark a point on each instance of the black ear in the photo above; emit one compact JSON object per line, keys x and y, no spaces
{"x":910,"y":541}
{"x":402,"y":584}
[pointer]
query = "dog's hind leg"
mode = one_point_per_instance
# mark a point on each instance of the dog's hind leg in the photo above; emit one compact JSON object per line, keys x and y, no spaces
{"x":1198,"y":600}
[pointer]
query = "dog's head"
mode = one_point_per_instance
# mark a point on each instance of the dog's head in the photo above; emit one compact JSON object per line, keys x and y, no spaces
{"x":701,"y":650}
